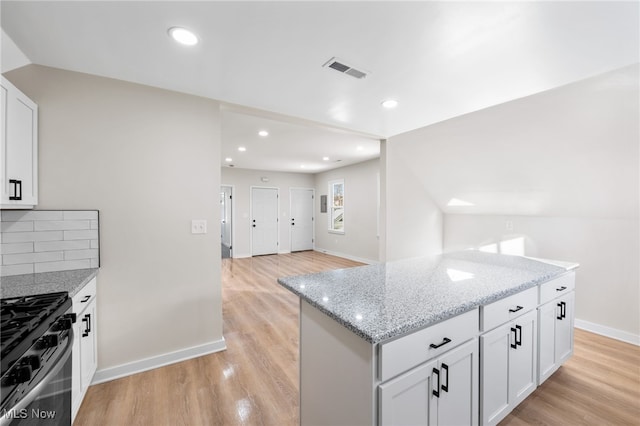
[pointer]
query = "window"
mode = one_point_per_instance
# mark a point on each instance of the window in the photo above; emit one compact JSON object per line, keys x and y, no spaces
{"x":336,"y":206}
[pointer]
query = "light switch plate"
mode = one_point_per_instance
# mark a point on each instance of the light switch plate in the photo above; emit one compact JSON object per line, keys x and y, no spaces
{"x":199,"y":226}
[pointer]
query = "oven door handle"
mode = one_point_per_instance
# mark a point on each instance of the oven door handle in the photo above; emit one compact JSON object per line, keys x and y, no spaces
{"x":35,"y":391}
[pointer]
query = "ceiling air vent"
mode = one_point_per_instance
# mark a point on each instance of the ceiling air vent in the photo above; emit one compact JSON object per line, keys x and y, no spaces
{"x":341,"y":66}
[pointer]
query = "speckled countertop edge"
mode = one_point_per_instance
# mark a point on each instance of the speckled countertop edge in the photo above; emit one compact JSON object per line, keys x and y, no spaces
{"x":46,"y":282}
{"x":436,"y":301}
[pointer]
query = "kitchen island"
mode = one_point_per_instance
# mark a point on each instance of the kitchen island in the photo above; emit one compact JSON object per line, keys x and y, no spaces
{"x":400,"y":342}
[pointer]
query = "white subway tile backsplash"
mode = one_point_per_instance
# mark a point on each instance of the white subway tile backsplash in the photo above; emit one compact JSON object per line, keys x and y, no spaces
{"x":81,"y":215}
{"x":65,"y":265}
{"x":48,"y":240}
{"x":81,"y":254}
{"x":23,"y":237}
{"x":91,"y":234}
{"x":62,"y":245}
{"x":17,"y":269}
{"x":15,"y":259}
{"x":25,"y":226}
{"x":22,"y":215}
{"x":62,"y":225}
{"x":13,"y":248}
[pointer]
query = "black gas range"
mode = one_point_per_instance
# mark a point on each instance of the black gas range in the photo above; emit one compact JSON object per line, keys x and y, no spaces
{"x":35,"y":354}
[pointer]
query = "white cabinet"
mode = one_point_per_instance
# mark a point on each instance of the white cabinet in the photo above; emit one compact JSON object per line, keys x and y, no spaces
{"x":555,"y":320}
{"x":508,"y":371}
{"x":85,"y":354}
{"x":18,"y":148}
{"x":439,"y":392}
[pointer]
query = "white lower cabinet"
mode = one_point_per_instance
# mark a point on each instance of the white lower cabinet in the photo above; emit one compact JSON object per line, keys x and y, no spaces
{"x":555,"y":319}
{"x":508,"y":370}
{"x":439,"y":392}
{"x":85,"y":350}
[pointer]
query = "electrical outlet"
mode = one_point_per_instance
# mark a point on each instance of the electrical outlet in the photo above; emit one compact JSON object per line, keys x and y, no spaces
{"x":199,"y":226}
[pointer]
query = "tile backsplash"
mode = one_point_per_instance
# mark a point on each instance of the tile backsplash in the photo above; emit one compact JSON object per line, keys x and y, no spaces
{"x":48,"y":240}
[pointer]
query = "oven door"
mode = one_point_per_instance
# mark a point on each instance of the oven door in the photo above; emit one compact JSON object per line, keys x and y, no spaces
{"x":49,"y":402}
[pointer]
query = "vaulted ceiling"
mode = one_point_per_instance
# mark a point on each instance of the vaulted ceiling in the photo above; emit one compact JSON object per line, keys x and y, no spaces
{"x":437,"y":59}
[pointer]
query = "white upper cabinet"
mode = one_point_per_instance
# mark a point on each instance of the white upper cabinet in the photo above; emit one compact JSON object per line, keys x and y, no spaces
{"x":19,"y":149}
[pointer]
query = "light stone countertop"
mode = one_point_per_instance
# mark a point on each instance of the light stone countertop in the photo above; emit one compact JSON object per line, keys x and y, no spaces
{"x":382,"y":301}
{"x":46,"y":282}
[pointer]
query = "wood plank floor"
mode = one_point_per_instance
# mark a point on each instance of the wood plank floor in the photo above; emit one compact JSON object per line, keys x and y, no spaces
{"x":255,"y":381}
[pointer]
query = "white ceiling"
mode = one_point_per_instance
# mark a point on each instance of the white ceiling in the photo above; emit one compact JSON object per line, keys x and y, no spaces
{"x":438,"y":59}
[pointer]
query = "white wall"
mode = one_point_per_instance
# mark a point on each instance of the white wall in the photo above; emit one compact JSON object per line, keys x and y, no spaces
{"x":242,"y":180}
{"x":413,"y":219}
{"x":148,"y":160}
{"x":360,"y":239}
{"x":11,"y":57}
{"x":562,"y":165}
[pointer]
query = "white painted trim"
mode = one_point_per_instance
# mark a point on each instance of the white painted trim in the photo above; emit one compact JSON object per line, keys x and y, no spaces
{"x":603,"y":330}
{"x":347,"y":256}
{"x":233,"y":214}
{"x":284,"y":252}
{"x":241,"y":256}
{"x":123,"y":370}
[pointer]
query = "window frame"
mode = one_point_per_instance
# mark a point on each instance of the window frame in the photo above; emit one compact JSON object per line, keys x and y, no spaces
{"x":332,"y":208}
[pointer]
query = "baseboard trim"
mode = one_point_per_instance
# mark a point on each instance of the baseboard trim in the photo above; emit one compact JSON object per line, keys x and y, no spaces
{"x":603,"y":330}
{"x":123,"y":370}
{"x":347,"y":256}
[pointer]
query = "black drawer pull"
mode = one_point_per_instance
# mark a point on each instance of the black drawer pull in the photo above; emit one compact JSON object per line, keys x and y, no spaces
{"x":563,"y":288}
{"x":444,"y":342}
{"x":436,"y":390}
{"x":516,"y":309}
{"x":86,"y":298}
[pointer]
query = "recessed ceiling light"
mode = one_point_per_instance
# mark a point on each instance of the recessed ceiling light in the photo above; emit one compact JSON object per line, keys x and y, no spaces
{"x":390,"y":103}
{"x":183,"y":36}
{"x":302,"y":166}
{"x":325,"y":158}
{"x":242,"y":149}
{"x":263,"y":133}
{"x":360,"y":148}
{"x":228,"y":159}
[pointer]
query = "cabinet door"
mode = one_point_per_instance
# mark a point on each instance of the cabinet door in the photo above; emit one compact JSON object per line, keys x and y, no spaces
{"x":88,"y":344}
{"x":20,"y":148}
{"x":523,"y":358}
{"x":405,"y":399}
{"x":546,"y":341}
{"x":494,"y":374}
{"x":564,"y":328}
{"x":458,"y":396}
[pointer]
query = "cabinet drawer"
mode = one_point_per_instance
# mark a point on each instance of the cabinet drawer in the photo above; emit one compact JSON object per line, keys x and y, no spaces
{"x":501,"y":311}
{"x":557,"y":287}
{"x":406,"y":352}
{"x":84,"y":296}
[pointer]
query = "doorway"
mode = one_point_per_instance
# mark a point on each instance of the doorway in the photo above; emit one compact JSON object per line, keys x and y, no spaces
{"x":302,"y":220}
{"x":264,"y":221}
{"x":226,"y":221}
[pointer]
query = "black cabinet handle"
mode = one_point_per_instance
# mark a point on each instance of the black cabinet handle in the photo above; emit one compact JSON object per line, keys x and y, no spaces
{"x":436,"y":391}
{"x":515,"y":339}
{"x":446,"y":368}
{"x":563,"y":288}
{"x":86,"y":299}
{"x":17,"y":189}
{"x":444,"y":342}
{"x":563,"y":310}
{"x":87,"y":327}
{"x":518,"y":335}
{"x":516,"y":309}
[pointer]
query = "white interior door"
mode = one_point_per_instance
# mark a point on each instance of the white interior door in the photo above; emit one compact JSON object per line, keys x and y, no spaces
{"x":264,"y":221}
{"x":301,"y":222}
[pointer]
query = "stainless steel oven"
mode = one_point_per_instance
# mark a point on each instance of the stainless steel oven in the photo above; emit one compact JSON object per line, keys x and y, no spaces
{"x":36,"y":350}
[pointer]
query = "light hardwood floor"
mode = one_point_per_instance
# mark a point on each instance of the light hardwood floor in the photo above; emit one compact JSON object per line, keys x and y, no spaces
{"x":255,"y":381}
